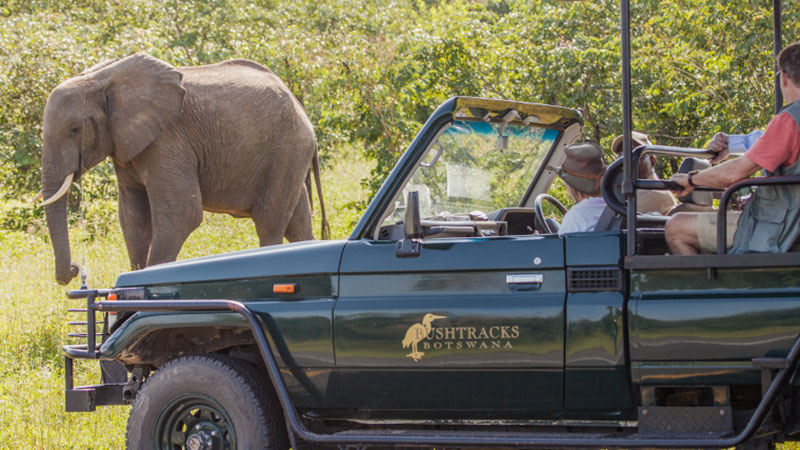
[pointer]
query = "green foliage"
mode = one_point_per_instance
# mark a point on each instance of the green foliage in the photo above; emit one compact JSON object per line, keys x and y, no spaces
{"x":33,"y":327}
{"x":20,"y":216}
{"x":370,"y":72}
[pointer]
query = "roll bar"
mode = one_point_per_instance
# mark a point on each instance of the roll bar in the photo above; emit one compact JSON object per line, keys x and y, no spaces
{"x":722,"y":218}
{"x":611,"y":176}
{"x":628,"y":181}
{"x":615,"y":203}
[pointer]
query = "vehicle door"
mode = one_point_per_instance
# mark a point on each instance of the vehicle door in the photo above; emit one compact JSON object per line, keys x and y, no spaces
{"x":699,"y":320}
{"x":475,"y":321}
{"x":469,"y":324}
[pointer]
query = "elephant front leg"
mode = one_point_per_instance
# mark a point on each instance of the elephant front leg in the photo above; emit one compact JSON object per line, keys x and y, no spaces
{"x":134,"y":217}
{"x":175,"y":213}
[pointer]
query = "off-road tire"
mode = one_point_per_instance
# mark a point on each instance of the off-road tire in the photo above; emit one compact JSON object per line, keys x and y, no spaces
{"x":220,"y":386}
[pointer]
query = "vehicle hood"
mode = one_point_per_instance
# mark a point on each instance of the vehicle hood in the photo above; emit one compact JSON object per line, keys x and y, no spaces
{"x":301,"y":258}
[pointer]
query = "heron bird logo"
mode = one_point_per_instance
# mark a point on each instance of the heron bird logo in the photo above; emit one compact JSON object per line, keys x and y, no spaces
{"x":416,"y":333}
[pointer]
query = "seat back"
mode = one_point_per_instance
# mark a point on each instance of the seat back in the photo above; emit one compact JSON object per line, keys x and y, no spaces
{"x":699,"y":198}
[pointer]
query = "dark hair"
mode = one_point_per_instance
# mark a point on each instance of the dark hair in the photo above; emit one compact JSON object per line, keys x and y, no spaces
{"x":789,"y":62}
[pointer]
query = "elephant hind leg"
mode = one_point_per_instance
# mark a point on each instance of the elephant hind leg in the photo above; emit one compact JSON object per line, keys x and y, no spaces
{"x":276,"y":217}
{"x":270,"y":227}
{"x":299,"y":228}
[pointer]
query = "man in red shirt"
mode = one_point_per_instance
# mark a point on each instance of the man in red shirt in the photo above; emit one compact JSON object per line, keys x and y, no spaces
{"x":776,"y":151}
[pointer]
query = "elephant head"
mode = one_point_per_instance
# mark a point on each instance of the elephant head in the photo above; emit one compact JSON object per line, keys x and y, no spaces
{"x":117,"y":108}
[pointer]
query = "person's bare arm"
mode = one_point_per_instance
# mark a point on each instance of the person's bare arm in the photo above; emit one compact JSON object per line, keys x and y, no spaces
{"x":720,"y":176}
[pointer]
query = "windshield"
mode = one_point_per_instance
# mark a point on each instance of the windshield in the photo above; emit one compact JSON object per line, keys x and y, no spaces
{"x":475,"y":166}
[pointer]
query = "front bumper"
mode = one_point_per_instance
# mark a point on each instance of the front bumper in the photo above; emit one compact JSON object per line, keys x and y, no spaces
{"x":88,"y":398}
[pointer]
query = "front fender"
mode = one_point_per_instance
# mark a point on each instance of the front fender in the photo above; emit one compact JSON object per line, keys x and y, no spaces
{"x":173,"y":328}
{"x":154,"y":337}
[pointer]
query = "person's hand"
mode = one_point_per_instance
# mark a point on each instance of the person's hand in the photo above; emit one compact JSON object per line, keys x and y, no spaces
{"x":719,"y":145}
{"x":683,"y":180}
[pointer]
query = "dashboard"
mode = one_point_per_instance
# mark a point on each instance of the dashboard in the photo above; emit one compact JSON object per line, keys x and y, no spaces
{"x":503,"y":222}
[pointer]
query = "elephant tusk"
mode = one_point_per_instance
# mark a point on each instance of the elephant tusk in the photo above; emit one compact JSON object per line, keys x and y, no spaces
{"x":39,"y":195}
{"x":61,"y":191}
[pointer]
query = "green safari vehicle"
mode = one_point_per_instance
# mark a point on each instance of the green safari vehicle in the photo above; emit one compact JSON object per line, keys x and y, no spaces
{"x":454,"y":315}
{"x":475,"y":322}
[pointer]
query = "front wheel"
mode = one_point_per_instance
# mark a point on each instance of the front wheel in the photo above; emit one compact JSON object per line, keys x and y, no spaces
{"x":206,"y":402}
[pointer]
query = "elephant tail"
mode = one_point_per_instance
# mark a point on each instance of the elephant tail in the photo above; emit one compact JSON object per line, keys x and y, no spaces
{"x":308,"y":190}
{"x":326,"y":230}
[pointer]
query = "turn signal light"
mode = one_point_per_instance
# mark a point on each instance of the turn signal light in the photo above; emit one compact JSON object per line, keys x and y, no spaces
{"x":288,"y":288}
{"x":112,"y":296}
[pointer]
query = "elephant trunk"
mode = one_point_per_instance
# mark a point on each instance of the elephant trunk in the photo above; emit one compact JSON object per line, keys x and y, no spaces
{"x":56,"y":214}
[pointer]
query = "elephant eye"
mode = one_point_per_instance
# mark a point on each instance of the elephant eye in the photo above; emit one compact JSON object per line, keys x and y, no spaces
{"x":74,"y":130}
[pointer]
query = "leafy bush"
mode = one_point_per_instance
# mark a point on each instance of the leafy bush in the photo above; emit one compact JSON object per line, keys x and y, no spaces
{"x":18,"y":216}
{"x":369,"y":72}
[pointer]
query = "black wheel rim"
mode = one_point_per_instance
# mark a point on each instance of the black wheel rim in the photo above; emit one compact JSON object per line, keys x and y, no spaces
{"x":194,"y":422}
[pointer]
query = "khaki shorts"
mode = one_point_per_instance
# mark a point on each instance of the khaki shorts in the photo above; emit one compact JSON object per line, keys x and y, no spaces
{"x":707,"y":230}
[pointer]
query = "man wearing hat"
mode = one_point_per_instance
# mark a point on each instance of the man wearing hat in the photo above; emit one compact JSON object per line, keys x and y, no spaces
{"x":647,"y":201}
{"x":582,"y":171}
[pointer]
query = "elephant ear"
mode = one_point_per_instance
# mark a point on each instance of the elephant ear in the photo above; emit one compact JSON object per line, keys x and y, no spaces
{"x":144,"y":97}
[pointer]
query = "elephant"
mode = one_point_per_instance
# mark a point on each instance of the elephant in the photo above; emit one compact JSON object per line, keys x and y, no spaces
{"x":228,"y":137}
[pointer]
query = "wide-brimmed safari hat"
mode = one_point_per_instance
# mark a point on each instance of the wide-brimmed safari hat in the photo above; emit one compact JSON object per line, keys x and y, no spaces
{"x":637,"y":139}
{"x":583,"y":167}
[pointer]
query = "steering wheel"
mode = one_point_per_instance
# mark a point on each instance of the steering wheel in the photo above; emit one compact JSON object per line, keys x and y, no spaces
{"x":546,"y":224}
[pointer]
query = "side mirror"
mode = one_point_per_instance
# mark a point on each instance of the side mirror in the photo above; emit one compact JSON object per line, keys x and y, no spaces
{"x":410,"y":246}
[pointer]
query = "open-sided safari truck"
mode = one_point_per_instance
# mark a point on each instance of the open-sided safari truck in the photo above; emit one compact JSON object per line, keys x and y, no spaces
{"x":454,"y":316}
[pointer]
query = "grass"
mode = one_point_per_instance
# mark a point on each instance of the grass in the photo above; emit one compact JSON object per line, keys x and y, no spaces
{"x":33,"y":327}
{"x":33,"y":314}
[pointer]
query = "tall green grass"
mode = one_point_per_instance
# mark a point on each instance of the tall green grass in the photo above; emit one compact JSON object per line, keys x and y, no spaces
{"x":33,"y":314}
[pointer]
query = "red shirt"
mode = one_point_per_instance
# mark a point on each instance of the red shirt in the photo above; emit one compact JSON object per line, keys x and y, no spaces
{"x":780,"y":144}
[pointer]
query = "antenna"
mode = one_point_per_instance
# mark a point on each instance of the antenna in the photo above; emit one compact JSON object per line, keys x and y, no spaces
{"x":83,"y":206}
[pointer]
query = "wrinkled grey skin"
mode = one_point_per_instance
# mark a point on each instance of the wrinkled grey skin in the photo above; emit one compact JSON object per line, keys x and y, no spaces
{"x":227,"y":138}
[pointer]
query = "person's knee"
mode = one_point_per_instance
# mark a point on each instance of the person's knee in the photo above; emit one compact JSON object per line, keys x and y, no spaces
{"x":675,"y":227}
{"x":681,"y":234}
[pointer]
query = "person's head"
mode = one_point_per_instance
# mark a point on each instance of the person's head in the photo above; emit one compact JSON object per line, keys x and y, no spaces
{"x":582,"y":170}
{"x":789,"y":66}
{"x":637,"y":139}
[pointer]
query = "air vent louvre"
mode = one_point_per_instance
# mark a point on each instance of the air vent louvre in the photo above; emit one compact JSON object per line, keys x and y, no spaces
{"x":593,"y":279}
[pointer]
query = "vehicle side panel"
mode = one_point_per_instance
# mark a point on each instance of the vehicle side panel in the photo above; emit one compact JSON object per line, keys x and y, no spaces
{"x":695,"y":326}
{"x":596,"y":375}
